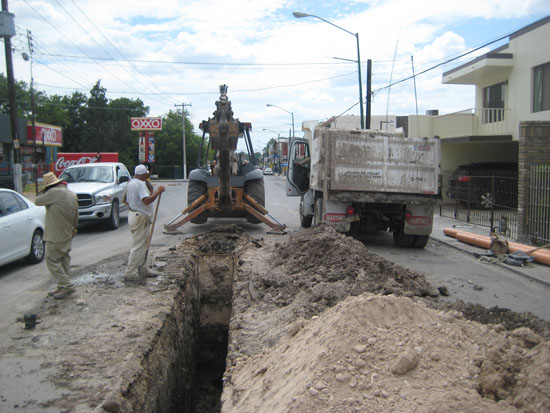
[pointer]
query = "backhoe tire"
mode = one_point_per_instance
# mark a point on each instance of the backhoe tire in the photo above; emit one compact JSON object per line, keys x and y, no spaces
{"x":194,"y":191}
{"x":256,"y":190}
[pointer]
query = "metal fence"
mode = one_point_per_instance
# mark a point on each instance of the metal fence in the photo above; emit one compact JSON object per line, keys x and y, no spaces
{"x":484,"y":197}
{"x":538,"y":218}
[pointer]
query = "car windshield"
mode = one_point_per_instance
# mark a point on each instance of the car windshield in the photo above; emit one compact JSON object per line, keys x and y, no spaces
{"x":87,"y":174}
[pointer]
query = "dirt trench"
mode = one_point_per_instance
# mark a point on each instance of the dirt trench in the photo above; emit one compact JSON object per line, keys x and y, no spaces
{"x":308,"y":322}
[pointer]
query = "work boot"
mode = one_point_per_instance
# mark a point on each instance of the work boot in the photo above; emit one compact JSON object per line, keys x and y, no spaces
{"x":134,"y":281}
{"x":64,"y":293}
{"x":148,"y":273}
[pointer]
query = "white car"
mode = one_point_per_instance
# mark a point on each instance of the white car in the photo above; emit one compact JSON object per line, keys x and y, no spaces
{"x":21,"y":228}
{"x":268,"y":171}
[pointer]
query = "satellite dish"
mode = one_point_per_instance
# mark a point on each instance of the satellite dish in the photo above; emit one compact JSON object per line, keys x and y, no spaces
{"x":25,"y":56}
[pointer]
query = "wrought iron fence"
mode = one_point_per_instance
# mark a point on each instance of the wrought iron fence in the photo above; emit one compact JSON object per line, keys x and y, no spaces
{"x":486,"y":197}
{"x":538,"y":218}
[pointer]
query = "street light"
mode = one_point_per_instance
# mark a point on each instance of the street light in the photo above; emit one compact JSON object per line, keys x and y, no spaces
{"x":292,"y":114}
{"x":299,"y":14}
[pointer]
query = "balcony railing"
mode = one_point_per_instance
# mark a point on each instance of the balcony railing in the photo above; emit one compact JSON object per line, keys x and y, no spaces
{"x":469,"y":122}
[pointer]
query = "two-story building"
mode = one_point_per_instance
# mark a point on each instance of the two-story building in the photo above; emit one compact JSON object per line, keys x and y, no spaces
{"x":510,"y":121}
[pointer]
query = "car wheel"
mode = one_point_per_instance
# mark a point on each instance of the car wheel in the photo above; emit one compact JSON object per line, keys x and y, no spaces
{"x":194,"y":191}
{"x":486,"y":199}
{"x":37,"y":248}
{"x":114,"y":219}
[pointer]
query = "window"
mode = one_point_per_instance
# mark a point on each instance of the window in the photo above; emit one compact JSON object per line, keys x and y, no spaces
{"x":493,"y":103}
{"x":11,"y":203}
{"x":541,"y":88}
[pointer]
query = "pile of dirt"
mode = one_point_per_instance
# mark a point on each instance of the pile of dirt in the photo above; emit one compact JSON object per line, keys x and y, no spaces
{"x":320,"y":323}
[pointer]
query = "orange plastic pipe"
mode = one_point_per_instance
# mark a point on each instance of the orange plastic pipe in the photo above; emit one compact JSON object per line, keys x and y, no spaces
{"x":542,"y":256}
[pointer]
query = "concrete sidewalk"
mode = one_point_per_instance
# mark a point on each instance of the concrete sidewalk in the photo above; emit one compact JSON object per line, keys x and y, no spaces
{"x":536,"y":272}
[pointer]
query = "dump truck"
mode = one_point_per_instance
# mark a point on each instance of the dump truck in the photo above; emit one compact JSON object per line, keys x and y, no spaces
{"x":364,"y":181}
{"x":233,"y":188}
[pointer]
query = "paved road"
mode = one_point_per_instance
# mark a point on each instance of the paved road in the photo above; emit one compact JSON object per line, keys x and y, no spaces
{"x":22,"y":286}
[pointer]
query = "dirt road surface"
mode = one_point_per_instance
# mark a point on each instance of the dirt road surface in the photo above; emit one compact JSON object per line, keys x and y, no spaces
{"x":253,"y":322}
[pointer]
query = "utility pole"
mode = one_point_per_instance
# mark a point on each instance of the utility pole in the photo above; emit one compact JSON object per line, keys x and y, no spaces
{"x":7,"y":31}
{"x":33,"y":111}
{"x":369,"y":93}
{"x":183,"y":105}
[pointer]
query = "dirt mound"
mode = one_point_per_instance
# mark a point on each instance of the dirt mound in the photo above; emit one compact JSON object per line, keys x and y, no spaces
{"x":387,"y":353}
{"x":307,"y":334}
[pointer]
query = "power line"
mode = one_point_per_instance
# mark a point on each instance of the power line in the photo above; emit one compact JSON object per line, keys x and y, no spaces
{"x":76,"y":46}
{"x":442,"y":63}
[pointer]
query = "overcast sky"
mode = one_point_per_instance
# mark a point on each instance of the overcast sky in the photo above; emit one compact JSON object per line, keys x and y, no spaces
{"x":169,"y":52}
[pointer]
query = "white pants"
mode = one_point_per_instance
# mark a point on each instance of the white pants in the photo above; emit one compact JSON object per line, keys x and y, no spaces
{"x":139,"y":228}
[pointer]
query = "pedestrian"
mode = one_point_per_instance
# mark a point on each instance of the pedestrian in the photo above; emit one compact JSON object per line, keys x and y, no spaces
{"x":61,"y":223}
{"x":139,"y":220}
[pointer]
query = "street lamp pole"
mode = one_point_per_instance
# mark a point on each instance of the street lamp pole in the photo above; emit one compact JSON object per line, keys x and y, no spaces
{"x":184,"y":166}
{"x":298,"y":15}
{"x":291,"y":114}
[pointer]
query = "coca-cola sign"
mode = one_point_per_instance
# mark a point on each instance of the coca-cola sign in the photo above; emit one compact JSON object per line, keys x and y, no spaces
{"x":45,"y":134}
{"x":145,"y":124}
{"x":66,"y":159}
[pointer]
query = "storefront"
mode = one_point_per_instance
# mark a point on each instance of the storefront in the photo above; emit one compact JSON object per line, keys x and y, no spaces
{"x":41,"y":149}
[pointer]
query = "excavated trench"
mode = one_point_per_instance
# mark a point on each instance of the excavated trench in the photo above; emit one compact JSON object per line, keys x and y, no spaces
{"x":184,"y":370}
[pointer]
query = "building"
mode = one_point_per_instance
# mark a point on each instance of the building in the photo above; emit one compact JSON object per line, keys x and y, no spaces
{"x":512,"y":86}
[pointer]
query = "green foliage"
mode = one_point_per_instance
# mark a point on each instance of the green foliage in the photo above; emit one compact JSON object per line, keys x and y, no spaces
{"x":95,"y":123}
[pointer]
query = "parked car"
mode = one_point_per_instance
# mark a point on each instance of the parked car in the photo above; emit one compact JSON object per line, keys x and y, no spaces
{"x":268,"y":171}
{"x":100,"y":189}
{"x":21,"y":228}
{"x":487,"y":184}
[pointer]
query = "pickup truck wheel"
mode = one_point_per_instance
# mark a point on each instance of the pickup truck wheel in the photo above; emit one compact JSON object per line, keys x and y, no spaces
{"x":305,"y":221}
{"x":256,"y":190}
{"x":195,"y":190}
{"x":420,"y":241}
{"x":486,"y":199}
{"x":37,"y":248}
{"x":318,"y":211}
{"x":114,"y":219}
{"x":400,"y":239}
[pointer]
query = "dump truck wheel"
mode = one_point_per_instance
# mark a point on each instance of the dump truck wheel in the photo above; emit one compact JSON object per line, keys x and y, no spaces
{"x":305,"y":221}
{"x":420,"y":241}
{"x":255,"y":189}
{"x":400,"y":239}
{"x":195,"y":190}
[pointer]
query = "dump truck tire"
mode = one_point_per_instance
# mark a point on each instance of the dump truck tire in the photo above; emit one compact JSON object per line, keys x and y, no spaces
{"x":256,"y":190}
{"x":195,"y":190}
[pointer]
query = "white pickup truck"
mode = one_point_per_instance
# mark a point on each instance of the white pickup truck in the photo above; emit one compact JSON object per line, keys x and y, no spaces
{"x":364,"y":181}
{"x":100,"y":188}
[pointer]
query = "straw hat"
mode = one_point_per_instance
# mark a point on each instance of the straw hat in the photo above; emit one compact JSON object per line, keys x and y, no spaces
{"x":50,"y":179}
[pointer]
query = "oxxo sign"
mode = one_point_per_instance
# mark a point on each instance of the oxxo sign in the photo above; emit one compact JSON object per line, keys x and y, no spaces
{"x":145,"y":124}
{"x":49,"y":135}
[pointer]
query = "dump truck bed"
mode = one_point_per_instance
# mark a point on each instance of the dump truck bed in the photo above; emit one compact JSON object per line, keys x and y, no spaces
{"x":374,"y":161}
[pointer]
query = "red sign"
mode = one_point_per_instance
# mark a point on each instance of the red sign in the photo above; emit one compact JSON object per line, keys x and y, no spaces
{"x":48,"y":135}
{"x":147,"y":124}
{"x":66,"y":159}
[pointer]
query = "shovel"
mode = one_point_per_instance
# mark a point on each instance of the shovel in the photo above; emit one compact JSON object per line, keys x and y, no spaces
{"x":151,"y":233}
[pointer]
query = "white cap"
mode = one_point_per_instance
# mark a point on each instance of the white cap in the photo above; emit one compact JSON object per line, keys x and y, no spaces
{"x":140,"y":170}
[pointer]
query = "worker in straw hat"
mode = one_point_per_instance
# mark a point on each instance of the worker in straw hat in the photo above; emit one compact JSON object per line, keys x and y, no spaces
{"x":61,"y":222}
